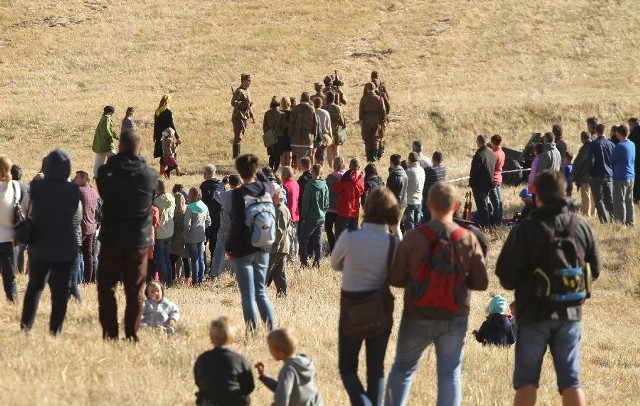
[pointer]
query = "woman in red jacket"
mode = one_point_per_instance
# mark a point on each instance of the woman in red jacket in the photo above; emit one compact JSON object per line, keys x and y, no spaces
{"x":349,"y":190}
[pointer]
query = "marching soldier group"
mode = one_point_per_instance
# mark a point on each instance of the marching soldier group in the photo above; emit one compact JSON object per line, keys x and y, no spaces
{"x":373,"y":116}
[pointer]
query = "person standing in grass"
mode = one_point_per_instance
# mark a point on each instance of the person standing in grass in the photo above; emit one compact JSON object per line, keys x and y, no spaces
{"x":581,"y":176}
{"x":179,"y":254}
{"x":372,"y":116}
{"x":196,"y":221}
{"x":600,"y":169}
{"x":163,"y":119}
{"x":210,"y":188}
{"x":495,"y":195}
{"x":634,"y":137}
{"x":415,"y":176}
{"x":332,"y":212}
{"x":292,"y":190}
{"x":127,"y":186}
{"x":280,"y":248}
{"x":104,"y":139}
{"x":544,"y":323}
{"x":166,"y":204}
{"x":432,"y":174}
{"x":250,"y":263}
{"x":127,"y":121}
{"x":349,"y":190}
{"x":623,"y":162}
{"x":10,"y":193}
{"x":337,"y":123}
{"x":315,"y":202}
{"x":397,"y":182}
{"x":56,"y":214}
{"x":427,"y":317}
{"x":364,"y":257}
{"x":483,"y":166}
{"x":90,"y":212}
{"x":242,"y":112}
{"x":224,"y":198}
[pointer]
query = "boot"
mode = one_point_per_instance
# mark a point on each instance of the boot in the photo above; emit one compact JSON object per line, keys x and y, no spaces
{"x":370,"y":156}
{"x":236,"y":150}
{"x":374,"y":155}
{"x":380,"y":152}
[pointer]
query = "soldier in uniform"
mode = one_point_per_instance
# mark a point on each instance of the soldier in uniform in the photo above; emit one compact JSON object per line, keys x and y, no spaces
{"x":372,"y":116}
{"x":381,"y":90}
{"x":332,"y":84}
{"x":319,"y":93}
{"x":241,"y":103}
{"x":337,"y":123}
{"x":302,"y":128}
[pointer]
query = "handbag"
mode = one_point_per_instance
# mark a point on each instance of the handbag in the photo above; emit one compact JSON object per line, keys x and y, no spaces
{"x":371,"y":315}
{"x":23,"y":226}
{"x":270,"y":136}
{"x":342,"y":136}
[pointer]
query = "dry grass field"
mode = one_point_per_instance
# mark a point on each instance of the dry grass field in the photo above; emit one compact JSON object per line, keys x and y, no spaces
{"x":453,"y":69}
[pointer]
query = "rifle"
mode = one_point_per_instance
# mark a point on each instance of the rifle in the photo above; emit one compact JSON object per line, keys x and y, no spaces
{"x":468,"y":207}
{"x":233,"y":92}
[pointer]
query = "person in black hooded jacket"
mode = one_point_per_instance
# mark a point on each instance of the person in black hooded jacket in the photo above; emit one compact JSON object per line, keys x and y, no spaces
{"x":483,"y":165}
{"x":127,"y":187}
{"x":56,"y":213}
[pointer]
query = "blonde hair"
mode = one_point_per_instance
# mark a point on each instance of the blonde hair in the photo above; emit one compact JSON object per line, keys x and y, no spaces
{"x":181,"y":204}
{"x":282,"y":339}
{"x":442,"y":197}
{"x":221,"y":331}
{"x":286,"y":172}
{"x":5,"y":169}
{"x":285,"y":103}
{"x":194,"y":194}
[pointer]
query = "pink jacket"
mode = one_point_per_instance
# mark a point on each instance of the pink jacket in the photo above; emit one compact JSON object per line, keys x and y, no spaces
{"x":293,"y":196}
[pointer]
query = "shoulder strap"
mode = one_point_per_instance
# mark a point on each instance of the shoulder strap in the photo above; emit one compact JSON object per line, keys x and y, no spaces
{"x":573,"y":224}
{"x":457,"y":233}
{"x":15,"y":193}
{"x":392,"y":246}
{"x":428,"y":233}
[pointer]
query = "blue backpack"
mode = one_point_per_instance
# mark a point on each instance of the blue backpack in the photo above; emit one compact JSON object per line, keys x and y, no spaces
{"x":260,"y":218}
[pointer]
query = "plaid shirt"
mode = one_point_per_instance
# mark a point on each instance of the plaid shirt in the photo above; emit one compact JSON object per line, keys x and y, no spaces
{"x":90,"y":209}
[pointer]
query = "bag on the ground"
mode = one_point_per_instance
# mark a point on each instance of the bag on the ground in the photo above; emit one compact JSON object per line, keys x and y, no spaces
{"x":260,"y":217}
{"x":438,"y":285}
{"x":565,"y":279}
{"x":367,"y":316}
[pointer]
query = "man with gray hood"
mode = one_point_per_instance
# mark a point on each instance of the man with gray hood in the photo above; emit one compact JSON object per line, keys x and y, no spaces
{"x":550,"y":158}
{"x":127,"y":186}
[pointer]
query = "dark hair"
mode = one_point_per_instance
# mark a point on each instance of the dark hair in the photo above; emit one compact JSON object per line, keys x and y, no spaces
{"x":83,"y":174}
{"x":569,"y":156}
{"x":404,"y":165}
{"x":632,"y":120}
{"x":108,"y":110}
{"x":395,"y":159}
{"x":416,"y":145}
{"x":413,"y":157}
{"x":234,"y":180}
{"x":177,"y":188}
{"x":130,"y":110}
{"x":496,"y":140}
{"x":550,"y":185}
{"x":330,"y":97}
{"x":316,"y":169}
{"x":370,"y":170}
{"x":622,"y":130}
{"x":16,"y":172}
{"x":538,"y":148}
{"x":481,"y":139}
{"x":381,"y":207}
{"x":592,"y":121}
{"x":268,"y":172}
{"x":557,"y":131}
{"x":437,"y":156}
{"x":247,"y":165}
{"x":304,"y":97}
{"x":130,"y":141}
{"x":548,"y":138}
{"x":305,"y":162}
{"x":317,"y":102}
{"x":585,"y":136}
{"x":600,"y":128}
{"x":274,"y":103}
{"x":162,"y":186}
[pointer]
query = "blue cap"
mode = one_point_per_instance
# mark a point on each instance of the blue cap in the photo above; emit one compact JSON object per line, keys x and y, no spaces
{"x":524,"y":194}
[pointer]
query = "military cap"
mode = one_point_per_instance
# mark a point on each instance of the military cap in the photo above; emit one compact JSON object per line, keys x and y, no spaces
{"x":327,"y":80}
{"x":245,"y":76}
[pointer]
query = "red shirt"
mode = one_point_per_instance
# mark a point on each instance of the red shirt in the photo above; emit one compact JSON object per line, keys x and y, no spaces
{"x":349,"y":190}
{"x":497,"y":172}
{"x":292,"y":189}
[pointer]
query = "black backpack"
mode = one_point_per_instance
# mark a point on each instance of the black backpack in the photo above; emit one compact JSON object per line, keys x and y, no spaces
{"x":563,"y":279}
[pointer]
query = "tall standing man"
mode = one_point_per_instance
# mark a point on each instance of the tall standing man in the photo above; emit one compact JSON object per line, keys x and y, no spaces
{"x":541,"y":323}
{"x":483,"y":165}
{"x":209,"y":188}
{"x":127,"y":186}
{"x":104,"y":139}
{"x":90,"y":212}
{"x":241,"y":103}
{"x":623,"y":160}
{"x":600,"y":169}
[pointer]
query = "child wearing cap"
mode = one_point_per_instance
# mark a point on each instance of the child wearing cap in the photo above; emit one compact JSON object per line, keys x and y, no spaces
{"x":497,"y":329}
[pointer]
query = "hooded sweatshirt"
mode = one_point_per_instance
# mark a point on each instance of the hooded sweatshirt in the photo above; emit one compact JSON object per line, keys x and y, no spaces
{"x":333,"y":196}
{"x":550,"y":158}
{"x":292,"y":190}
{"x":398,"y":182}
{"x":196,"y":220}
{"x":127,"y":187}
{"x":239,"y":242}
{"x":295,"y":385}
{"x":55,"y":211}
{"x":315,"y":202}
{"x":349,"y":190}
{"x":497,"y":329}
{"x":166,"y":203}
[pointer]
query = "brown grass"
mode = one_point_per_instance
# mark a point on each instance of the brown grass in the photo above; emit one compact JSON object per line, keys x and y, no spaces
{"x":453,"y":69}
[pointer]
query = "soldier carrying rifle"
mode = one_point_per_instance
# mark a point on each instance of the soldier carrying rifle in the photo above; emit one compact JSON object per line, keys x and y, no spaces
{"x":241,"y":103}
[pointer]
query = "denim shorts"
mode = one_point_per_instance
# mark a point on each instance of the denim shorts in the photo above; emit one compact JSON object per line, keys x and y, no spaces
{"x":563,"y":338}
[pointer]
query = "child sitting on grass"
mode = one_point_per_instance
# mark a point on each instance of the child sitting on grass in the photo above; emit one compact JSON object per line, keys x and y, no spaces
{"x":295,"y":385}
{"x":158,"y":311}
{"x":223,"y":377}
{"x":497,"y":328}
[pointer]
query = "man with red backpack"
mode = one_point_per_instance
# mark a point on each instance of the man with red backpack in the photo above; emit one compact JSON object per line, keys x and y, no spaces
{"x":437,"y":264}
{"x":549,"y":258}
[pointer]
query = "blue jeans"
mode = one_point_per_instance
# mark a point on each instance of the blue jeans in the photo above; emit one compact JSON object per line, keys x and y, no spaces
{"x":413,"y":338}
{"x":7,"y":266}
{"x":310,"y":239}
{"x":77,"y":275}
{"x":218,"y":254}
{"x":251,"y":273}
{"x":480,"y":198}
{"x":563,"y":338}
{"x":602,"y":191}
{"x":161,"y":253}
{"x":412,"y":216}
{"x":196,"y":252}
{"x":348,"y":354}
{"x":495,"y":196}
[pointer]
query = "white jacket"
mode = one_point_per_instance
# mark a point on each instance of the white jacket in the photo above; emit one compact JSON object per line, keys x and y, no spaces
{"x":415,"y":173}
